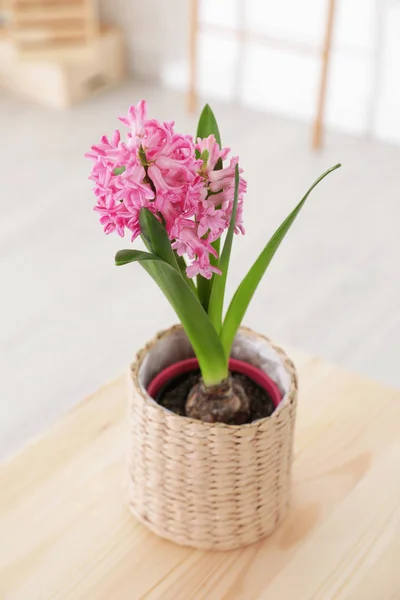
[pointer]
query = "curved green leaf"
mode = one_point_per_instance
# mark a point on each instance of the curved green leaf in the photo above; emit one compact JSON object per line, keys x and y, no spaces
{"x":156,"y":237}
{"x":123,"y":257}
{"x":248,"y":286}
{"x":208,"y":126}
{"x":199,"y":329}
{"x":157,"y":241}
{"x":216,"y":303}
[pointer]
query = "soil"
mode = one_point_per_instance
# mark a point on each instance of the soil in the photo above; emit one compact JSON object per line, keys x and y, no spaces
{"x":174,"y":394}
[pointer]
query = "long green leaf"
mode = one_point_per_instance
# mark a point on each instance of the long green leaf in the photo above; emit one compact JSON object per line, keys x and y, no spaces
{"x":123,"y":257}
{"x":156,"y":240}
{"x":208,"y":126}
{"x":199,"y":329}
{"x":216,"y":303}
{"x":156,"y":237}
{"x":248,"y":286}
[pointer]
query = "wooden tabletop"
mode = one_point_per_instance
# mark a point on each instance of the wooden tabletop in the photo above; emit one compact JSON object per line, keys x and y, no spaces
{"x":66,"y":532}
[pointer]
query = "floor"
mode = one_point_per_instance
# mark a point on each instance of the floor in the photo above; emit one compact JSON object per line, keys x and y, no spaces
{"x":70,"y":320}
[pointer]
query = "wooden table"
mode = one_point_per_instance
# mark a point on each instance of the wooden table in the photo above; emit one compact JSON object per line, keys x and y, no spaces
{"x":65,"y":530}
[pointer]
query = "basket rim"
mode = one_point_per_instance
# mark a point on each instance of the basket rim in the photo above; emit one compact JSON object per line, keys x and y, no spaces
{"x":287,"y":362}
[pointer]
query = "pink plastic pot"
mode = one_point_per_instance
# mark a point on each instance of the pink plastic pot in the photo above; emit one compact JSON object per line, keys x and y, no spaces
{"x":235,"y":366}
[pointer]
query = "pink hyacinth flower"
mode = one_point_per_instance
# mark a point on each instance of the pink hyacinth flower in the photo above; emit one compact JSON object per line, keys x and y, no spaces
{"x":157,"y":168}
{"x":212,"y":220}
{"x":135,"y":118}
{"x":209,"y":148}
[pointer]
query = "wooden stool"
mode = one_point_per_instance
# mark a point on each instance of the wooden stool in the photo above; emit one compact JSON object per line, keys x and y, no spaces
{"x":38,"y":25}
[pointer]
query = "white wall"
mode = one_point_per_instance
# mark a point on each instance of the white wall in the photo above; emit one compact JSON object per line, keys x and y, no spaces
{"x":155,"y":32}
{"x":364,"y":81}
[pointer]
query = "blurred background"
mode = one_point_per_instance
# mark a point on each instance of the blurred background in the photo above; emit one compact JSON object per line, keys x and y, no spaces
{"x":296,"y":87}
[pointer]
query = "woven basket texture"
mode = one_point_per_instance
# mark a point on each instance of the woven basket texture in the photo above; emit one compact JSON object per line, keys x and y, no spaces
{"x":210,"y":486}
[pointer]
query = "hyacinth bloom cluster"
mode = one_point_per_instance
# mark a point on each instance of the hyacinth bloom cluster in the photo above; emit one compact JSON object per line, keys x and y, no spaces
{"x":184,"y":183}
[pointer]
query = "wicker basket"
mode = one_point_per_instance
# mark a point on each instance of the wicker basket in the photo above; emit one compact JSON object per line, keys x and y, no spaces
{"x":210,"y":486}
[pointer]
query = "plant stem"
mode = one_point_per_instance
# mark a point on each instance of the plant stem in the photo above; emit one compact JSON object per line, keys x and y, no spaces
{"x":205,"y":285}
{"x":182,"y":267}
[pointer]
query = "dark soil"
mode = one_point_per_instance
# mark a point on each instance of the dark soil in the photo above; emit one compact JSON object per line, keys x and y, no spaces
{"x":174,"y":394}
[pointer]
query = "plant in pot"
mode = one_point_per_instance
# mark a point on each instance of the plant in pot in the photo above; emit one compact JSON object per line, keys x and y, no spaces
{"x":213,"y":403}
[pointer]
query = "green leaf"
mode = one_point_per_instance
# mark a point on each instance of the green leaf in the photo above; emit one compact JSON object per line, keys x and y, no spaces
{"x":216,"y":303}
{"x":156,"y":240}
{"x":207,"y":125}
{"x":123,"y":257}
{"x":248,"y":286}
{"x":156,"y":237}
{"x":199,"y":329}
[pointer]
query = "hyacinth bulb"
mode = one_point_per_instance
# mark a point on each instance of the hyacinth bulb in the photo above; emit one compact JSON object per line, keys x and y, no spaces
{"x":226,"y":402}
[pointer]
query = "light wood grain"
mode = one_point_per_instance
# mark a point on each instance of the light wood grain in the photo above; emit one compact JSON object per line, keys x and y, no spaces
{"x":323,"y":83}
{"x":36,"y":22}
{"x":66,"y":531}
{"x":61,"y":80}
